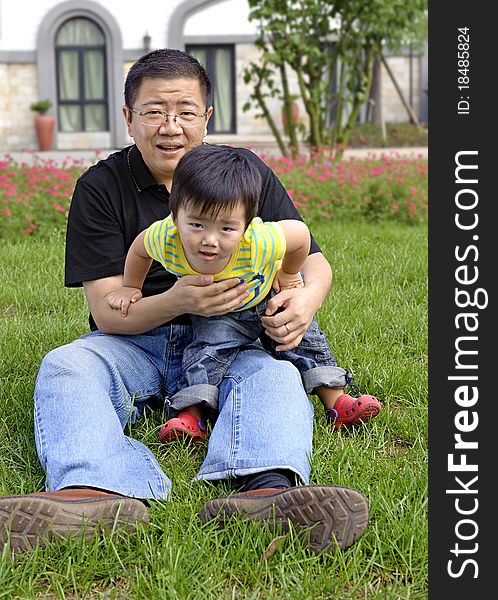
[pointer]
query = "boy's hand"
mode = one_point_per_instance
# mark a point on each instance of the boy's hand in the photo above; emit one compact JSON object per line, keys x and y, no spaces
{"x":287,"y":281}
{"x":122,"y":298}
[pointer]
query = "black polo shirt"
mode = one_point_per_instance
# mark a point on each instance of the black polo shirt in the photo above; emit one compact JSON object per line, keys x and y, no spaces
{"x":116,"y":199}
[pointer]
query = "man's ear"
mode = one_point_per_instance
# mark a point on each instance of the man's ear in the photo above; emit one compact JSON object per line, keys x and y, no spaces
{"x":128,"y":116}
{"x":208,"y":116}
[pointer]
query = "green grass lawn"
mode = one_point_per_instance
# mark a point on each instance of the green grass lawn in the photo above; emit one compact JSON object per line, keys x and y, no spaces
{"x":376,"y":321}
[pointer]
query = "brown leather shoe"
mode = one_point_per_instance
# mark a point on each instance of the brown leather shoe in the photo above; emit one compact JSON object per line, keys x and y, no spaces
{"x":31,"y":519}
{"x":326,"y":516}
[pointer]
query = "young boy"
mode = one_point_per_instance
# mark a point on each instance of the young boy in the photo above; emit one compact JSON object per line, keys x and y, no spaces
{"x":212,"y":229}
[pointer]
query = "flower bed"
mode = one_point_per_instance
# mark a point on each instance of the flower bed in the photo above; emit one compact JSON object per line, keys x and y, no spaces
{"x":375,"y":188}
{"x":35,"y":198}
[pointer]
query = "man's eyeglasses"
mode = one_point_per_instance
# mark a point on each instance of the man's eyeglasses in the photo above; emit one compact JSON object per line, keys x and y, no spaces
{"x":156,"y":118}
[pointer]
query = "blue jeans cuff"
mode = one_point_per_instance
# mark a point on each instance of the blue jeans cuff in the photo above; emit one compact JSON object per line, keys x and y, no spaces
{"x":196,"y":394}
{"x":332,"y":377}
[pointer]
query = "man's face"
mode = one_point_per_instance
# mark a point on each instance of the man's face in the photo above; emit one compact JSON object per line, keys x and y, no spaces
{"x":208,"y":241}
{"x":163,"y":146}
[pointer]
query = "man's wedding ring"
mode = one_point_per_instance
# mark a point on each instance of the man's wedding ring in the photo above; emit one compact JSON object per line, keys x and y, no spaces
{"x":287,"y":328}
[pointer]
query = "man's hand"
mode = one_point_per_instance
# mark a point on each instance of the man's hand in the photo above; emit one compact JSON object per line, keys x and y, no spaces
{"x":288,"y":316}
{"x":198,"y":295}
{"x":293,"y":310}
{"x":121,"y":299}
{"x":190,"y":294}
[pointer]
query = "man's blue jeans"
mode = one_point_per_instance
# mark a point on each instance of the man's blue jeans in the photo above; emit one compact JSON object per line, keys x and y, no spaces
{"x":89,"y":390}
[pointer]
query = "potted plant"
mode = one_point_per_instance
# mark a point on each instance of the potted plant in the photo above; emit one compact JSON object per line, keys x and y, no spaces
{"x":44,"y":124}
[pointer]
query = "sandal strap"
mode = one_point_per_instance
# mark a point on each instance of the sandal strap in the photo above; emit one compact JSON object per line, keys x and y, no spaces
{"x":331,"y":414}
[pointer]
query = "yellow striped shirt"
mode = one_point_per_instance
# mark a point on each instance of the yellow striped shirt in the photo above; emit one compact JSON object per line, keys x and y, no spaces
{"x":255,"y":261}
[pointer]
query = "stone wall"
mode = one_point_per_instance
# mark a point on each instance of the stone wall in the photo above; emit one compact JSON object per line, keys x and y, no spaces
{"x":19,"y":89}
{"x":17,"y":92}
{"x":248,"y":123}
{"x":394,"y":111}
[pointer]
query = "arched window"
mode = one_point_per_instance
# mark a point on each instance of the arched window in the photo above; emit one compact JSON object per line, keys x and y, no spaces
{"x":81,"y":76}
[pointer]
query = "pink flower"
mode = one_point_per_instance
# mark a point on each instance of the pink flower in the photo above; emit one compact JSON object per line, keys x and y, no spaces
{"x":376,"y":171}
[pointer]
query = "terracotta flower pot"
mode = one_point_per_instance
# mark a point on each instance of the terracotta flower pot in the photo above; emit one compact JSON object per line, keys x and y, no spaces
{"x":44,"y":126}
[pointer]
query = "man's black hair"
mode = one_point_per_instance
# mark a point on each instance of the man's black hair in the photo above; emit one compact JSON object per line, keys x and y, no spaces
{"x":166,"y":63}
{"x":213,"y":178}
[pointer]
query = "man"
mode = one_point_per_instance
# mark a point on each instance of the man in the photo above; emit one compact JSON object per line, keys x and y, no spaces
{"x":89,"y":390}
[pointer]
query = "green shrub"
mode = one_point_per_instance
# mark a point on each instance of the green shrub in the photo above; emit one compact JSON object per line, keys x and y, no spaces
{"x":398,"y":135}
{"x":41,"y":106}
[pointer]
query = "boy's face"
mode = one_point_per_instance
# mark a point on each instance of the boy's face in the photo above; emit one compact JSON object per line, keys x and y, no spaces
{"x":208,"y":241}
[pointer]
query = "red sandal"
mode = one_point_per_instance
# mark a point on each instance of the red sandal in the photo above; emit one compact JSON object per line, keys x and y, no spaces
{"x":349,"y":411}
{"x":184,"y":425}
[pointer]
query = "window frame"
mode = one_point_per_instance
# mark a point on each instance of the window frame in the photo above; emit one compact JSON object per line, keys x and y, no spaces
{"x":210,"y":66}
{"x":82,"y":102}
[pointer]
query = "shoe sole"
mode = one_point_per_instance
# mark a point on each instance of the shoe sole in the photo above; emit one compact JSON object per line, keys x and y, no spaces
{"x":326,"y":517}
{"x":29,"y":521}
{"x":360,"y":416}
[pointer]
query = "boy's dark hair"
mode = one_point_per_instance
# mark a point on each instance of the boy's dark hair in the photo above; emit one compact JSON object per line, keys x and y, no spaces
{"x":213,"y":178}
{"x":166,"y":63}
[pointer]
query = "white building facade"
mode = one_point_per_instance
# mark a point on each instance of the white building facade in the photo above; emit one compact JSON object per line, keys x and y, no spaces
{"x":76,"y":53}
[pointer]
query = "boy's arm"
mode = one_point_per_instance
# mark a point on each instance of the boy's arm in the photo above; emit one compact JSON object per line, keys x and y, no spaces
{"x":137,"y":263}
{"x":297,"y":239}
{"x":137,"y":266}
{"x":196,"y":294}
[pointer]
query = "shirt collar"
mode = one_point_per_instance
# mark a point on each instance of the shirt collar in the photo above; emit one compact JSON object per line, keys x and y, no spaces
{"x":139,"y":171}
